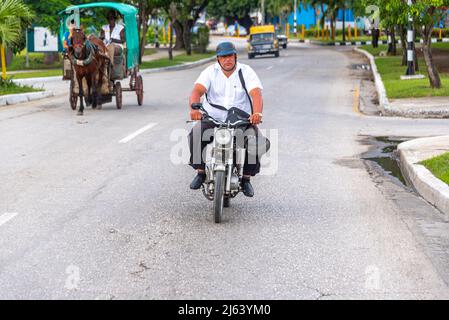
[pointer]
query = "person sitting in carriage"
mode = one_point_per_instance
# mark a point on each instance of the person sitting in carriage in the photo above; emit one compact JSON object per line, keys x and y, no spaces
{"x":113,"y":35}
{"x":68,"y":36}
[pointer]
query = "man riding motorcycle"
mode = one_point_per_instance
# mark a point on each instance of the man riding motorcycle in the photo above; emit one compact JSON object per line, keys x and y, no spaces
{"x":227,"y":85}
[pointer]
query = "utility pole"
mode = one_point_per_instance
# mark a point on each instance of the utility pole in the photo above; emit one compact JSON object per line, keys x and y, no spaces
{"x":411,"y":45}
{"x":295,"y":18}
{"x":27,"y":63}
{"x":263,"y":11}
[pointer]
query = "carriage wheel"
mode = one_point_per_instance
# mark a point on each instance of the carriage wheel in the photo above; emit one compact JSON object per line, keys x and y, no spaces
{"x":73,"y":96}
{"x":139,"y":90}
{"x":118,"y":95}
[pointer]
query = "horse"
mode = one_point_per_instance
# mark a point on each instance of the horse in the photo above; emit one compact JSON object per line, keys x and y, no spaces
{"x":88,"y":57}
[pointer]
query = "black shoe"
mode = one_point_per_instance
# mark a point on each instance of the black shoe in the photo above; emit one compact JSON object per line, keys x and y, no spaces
{"x":247,"y":188}
{"x":198,"y":181}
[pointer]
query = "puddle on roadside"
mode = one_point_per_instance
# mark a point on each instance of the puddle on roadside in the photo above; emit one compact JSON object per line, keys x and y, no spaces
{"x":384,"y":154}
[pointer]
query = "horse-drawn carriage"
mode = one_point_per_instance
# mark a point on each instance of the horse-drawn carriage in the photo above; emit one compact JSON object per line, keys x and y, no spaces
{"x":100,"y":74}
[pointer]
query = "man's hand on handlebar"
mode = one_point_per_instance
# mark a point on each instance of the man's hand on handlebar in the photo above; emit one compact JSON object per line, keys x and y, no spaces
{"x":196,"y":115}
{"x":256,"y":119}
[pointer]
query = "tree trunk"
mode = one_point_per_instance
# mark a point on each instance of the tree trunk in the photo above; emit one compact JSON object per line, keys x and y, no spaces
{"x":179,"y":44}
{"x":140,"y":31}
{"x":143,"y":37}
{"x":322,"y":22}
{"x":434,"y":77}
{"x":375,"y":36}
{"x":187,"y":34}
{"x":333,"y":29}
{"x":391,"y":42}
{"x":415,"y":55}
{"x":404,"y":45}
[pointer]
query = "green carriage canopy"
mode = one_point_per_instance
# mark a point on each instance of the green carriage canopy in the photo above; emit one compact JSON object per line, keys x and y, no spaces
{"x":129,"y":14}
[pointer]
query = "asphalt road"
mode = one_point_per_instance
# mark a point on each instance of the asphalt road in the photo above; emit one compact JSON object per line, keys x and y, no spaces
{"x":90,"y":211}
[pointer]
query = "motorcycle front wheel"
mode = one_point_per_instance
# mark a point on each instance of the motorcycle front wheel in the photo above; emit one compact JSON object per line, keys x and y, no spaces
{"x":219,"y":196}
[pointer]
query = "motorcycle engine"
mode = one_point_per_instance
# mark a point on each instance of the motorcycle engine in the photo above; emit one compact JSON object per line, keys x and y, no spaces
{"x":235,"y":182}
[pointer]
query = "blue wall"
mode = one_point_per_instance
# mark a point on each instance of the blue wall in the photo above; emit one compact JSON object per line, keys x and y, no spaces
{"x":307,"y":16}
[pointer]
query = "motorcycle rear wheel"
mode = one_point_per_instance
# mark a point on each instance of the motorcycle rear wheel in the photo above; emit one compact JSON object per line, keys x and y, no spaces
{"x":219,"y":196}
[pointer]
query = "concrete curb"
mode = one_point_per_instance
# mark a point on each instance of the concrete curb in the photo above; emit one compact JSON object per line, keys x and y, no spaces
{"x":31,"y":81}
{"x":185,"y":66}
{"x":381,"y":92}
{"x":389,"y":109}
{"x":432,"y":189}
{"x":12,"y":99}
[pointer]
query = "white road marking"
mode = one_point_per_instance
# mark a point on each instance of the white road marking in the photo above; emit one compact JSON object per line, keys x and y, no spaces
{"x":137,"y":133}
{"x":4,"y":218}
{"x":270,"y":67}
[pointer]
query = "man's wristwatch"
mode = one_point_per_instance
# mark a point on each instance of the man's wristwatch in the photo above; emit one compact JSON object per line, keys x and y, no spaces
{"x":259,"y":114}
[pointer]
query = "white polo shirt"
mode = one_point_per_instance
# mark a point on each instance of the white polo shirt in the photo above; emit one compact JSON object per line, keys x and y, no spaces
{"x":115,"y":34}
{"x":227,"y":92}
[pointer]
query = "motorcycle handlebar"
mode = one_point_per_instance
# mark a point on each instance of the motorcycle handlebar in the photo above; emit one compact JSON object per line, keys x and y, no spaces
{"x":206,"y":116}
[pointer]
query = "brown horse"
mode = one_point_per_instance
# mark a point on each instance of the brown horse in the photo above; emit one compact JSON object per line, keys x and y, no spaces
{"x":88,"y":57}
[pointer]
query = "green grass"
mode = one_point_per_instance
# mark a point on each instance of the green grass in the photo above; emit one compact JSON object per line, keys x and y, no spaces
{"x":38,"y":74}
{"x":391,"y":69}
{"x":9,"y":87}
{"x":441,"y":45}
{"x":36,"y":62}
{"x":178,"y":60}
{"x":439,"y":166}
{"x":376,"y":51}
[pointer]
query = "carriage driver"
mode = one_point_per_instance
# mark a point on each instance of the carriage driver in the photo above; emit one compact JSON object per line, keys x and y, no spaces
{"x":113,"y":35}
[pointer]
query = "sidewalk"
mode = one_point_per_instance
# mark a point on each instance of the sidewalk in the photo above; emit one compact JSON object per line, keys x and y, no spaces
{"x":432,"y":189}
{"x":429,"y":107}
{"x":160,"y":54}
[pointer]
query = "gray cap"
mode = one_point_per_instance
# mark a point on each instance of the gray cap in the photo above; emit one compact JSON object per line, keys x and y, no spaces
{"x":226,"y":49}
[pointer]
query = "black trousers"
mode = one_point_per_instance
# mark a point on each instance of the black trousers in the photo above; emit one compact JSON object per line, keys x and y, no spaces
{"x":203,"y":133}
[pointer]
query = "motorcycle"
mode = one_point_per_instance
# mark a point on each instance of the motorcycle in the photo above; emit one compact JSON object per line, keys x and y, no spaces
{"x":224,"y":169}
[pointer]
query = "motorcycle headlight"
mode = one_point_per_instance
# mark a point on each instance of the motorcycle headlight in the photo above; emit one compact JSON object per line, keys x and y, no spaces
{"x":223,"y":136}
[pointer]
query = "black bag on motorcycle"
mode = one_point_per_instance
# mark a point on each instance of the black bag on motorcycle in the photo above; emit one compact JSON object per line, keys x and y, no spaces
{"x":255,"y":142}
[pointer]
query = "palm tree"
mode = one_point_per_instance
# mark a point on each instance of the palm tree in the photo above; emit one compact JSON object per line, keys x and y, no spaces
{"x":14,"y":16}
{"x":280,"y":8}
